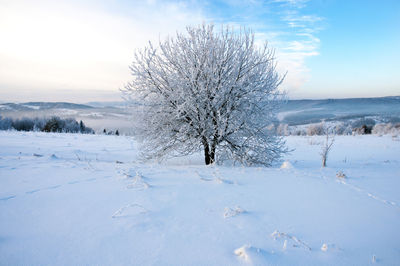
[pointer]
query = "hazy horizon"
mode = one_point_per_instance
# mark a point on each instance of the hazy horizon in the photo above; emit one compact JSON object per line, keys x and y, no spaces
{"x":122,"y":100}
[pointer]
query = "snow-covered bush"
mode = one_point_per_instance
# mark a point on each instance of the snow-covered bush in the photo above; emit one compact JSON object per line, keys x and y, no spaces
{"x":283,"y":130}
{"x":69,"y":125}
{"x":363,"y":126}
{"x":23,"y":124}
{"x":364,"y":129}
{"x":54,"y":124}
{"x":343,"y":129}
{"x":215,"y":91}
{"x":385,"y":129}
{"x":39,"y":124}
{"x":5,"y":123}
{"x":315,"y":129}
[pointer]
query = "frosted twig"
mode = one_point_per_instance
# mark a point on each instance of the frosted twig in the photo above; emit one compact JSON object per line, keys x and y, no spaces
{"x":77,"y":156}
{"x":276,"y":234}
{"x":229,"y":212}
{"x":90,"y":165}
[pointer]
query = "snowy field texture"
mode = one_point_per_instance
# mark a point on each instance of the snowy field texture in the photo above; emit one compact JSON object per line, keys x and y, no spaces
{"x":70,"y":199}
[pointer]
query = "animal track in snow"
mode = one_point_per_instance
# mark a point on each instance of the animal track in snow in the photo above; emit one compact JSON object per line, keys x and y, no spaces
{"x":216,"y":178}
{"x":40,"y":189}
{"x":354,"y":187}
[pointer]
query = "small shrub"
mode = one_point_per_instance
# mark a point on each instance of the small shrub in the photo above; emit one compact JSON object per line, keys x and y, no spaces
{"x":316,"y":129}
{"x":23,"y":124}
{"x":340,"y":174}
{"x":283,"y":130}
{"x":5,"y":123}
{"x":55,"y":124}
{"x":364,"y":129}
{"x":385,"y":129}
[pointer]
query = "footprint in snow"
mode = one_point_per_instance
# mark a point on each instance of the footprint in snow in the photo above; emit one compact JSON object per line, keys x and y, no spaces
{"x":329,"y":247}
{"x":7,"y":198}
{"x":217,"y":180}
{"x":224,"y":181}
{"x":40,"y":189}
{"x":33,"y":191}
{"x":53,"y":187}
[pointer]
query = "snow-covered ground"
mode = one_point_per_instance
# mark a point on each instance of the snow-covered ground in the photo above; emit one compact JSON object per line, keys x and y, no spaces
{"x":70,"y":199}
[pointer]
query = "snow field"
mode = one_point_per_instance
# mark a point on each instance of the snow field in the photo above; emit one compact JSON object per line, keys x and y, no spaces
{"x":68,"y":199}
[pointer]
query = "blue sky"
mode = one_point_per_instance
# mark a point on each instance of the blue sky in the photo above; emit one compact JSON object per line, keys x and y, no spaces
{"x":80,"y":50}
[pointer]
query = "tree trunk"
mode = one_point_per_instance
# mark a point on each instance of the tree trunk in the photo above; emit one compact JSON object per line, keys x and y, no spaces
{"x":212,"y":153}
{"x":207,"y":156}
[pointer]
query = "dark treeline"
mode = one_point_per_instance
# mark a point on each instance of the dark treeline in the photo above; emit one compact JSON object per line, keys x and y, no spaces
{"x":53,"y":124}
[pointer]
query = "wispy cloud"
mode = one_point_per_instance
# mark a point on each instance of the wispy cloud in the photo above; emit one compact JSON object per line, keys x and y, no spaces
{"x":292,"y":3}
{"x":287,"y":27}
{"x":301,"y":41}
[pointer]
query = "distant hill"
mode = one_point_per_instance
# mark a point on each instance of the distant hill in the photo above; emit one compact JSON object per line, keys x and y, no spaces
{"x":313,"y":111}
{"x":101,"y":115}
{"x":107,"y":104}
{"x":41,"y":106}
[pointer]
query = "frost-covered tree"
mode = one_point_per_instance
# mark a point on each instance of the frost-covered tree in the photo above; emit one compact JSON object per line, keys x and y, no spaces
{"x":210,"y":90}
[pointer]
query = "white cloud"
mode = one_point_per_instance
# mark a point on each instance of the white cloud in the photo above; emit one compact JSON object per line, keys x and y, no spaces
{"x":293,"y":52}
{"x":294,"y":17}
{"x":293,"y":3}
{"x":52,"y":47}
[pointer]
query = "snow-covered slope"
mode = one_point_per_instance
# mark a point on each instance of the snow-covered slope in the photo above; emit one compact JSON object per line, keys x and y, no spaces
{"x":70,"y":199}
{"x":300,"y":112}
